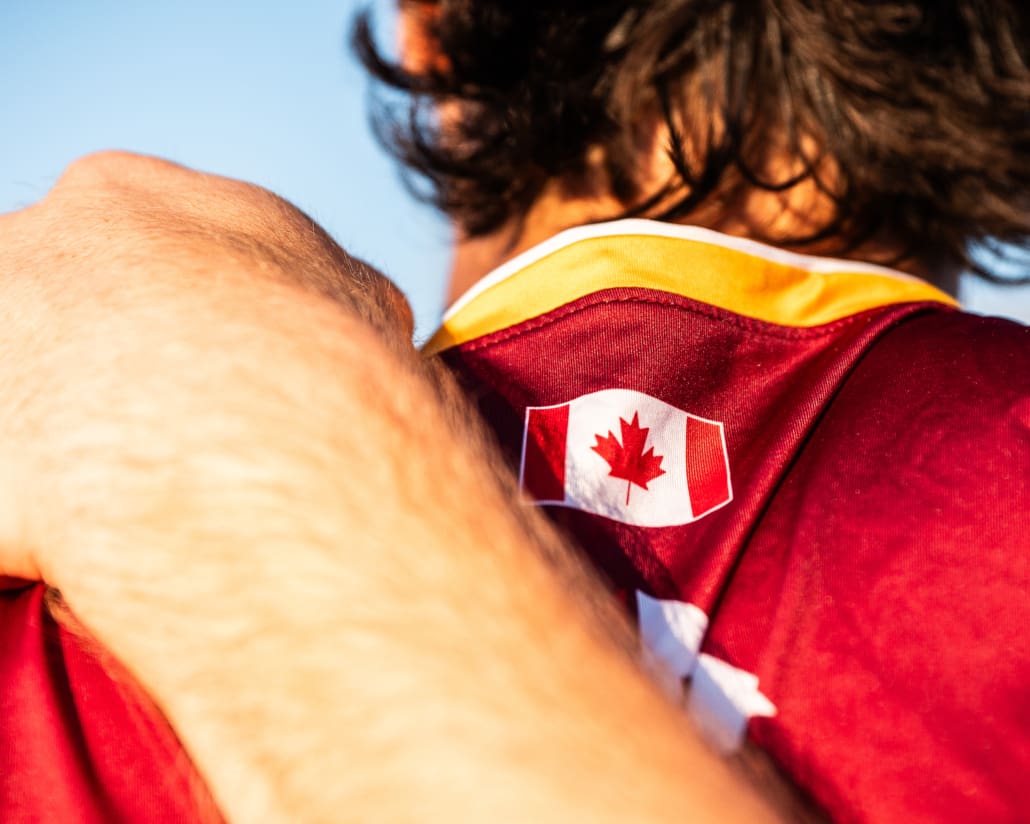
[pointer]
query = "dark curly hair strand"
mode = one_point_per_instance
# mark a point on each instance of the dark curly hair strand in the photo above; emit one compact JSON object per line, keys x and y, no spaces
{"x":923,"y":108}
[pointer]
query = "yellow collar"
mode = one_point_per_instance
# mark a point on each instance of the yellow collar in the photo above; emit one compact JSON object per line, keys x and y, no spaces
{"x":741,"y":276}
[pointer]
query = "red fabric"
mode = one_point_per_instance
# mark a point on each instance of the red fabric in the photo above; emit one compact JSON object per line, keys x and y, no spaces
{"x":543,"y":466}
{"x":706,"y":467}
{"x":873,"y":567}
{"x":78,"y":741}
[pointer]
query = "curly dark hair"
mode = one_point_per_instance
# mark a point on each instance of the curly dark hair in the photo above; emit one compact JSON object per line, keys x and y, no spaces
{"x":922,"y":108}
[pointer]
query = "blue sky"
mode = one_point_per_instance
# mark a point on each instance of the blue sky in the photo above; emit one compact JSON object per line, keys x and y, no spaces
{"x":261,"y":90}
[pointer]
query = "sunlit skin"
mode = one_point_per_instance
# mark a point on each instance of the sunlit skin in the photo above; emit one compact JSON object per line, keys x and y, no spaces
{"x":227,"y":456}
{"x":217,"y":440}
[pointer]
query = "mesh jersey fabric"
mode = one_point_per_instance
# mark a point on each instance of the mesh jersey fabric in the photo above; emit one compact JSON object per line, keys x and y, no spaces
{"x":856,"y":595}
{"x":858,"y":602}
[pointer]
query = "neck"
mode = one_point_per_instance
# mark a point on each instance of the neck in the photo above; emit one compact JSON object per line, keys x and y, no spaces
{"x":552,"y":213}
{"x":747,"y":212}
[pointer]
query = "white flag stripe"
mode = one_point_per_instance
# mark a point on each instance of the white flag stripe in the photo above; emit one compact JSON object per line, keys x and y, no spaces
{"x":721,"y":700}
{"x":721,"y":697}
{"x":672,"y":632}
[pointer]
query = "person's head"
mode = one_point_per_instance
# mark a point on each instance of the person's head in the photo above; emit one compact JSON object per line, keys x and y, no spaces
{"x":909,"y":120}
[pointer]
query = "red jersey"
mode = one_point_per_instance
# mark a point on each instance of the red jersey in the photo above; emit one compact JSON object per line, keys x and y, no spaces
{"x":808,"y":479}
{"x":79,"y":741}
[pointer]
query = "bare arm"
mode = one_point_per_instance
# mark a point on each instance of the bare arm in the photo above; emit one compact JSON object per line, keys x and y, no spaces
{"x":265,"y":510}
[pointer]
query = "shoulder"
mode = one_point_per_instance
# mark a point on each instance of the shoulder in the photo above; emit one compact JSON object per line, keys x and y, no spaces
{"x":931,"y":429}
{"x":982,"y":354}
{"x":949,"y":392}
{"x":896,"y":551}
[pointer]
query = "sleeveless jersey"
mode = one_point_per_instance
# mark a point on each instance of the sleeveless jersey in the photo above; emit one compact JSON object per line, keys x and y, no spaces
{"x":809,"y":482}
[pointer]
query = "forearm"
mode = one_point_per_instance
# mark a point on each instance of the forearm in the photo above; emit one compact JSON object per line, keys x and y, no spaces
{"x":268,"y":515}
{"x":331,"y":599}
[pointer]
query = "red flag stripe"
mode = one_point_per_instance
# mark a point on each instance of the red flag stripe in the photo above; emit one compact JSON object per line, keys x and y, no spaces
{"x":707,"y":480}
{"x":543,"y":456}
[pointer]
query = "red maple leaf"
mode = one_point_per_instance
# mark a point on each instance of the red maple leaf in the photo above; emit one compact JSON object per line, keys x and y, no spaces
{"x":628,"y":460}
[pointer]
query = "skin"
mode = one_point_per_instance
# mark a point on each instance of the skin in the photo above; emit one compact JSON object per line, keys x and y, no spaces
{"x":737,"y":210}
{"x":219,"y":444}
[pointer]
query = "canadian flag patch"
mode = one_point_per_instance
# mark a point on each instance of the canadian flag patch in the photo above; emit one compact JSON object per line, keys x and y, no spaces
{"x":627,"y":456}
